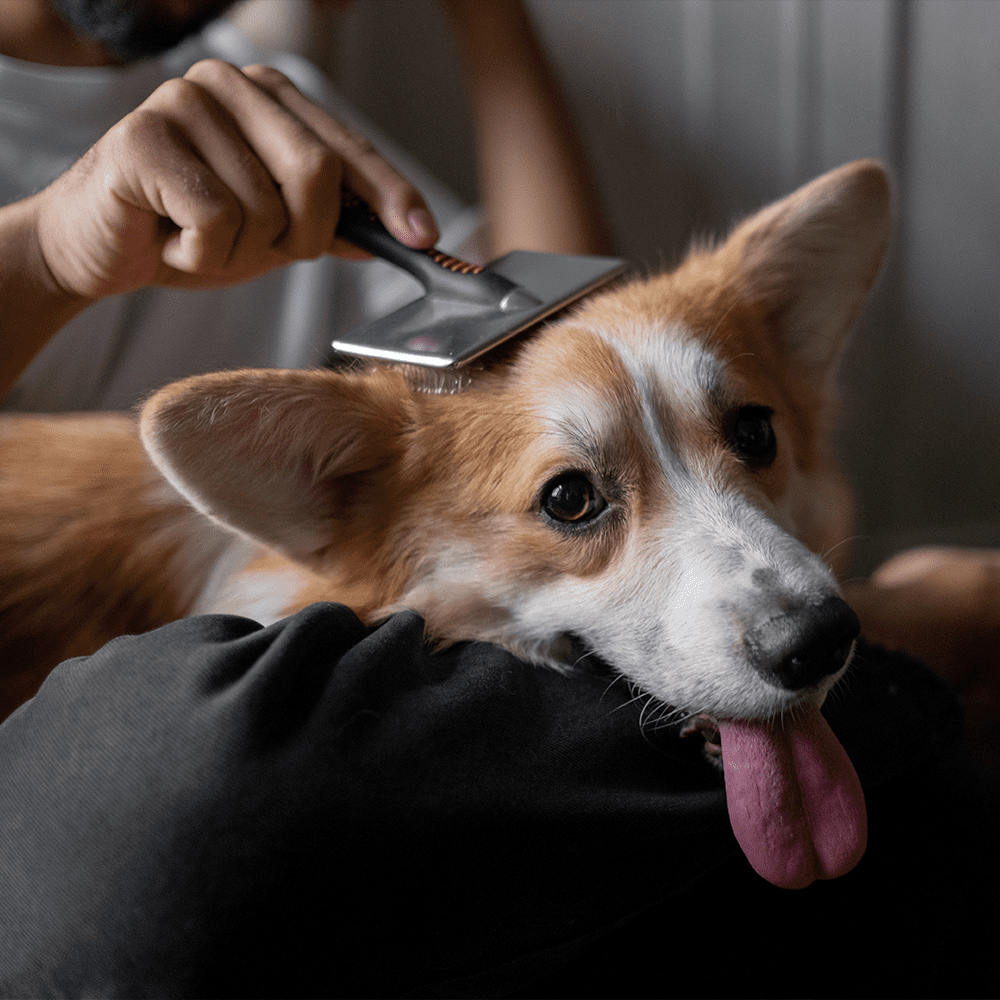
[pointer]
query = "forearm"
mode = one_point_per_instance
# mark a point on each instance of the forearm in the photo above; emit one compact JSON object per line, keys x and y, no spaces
{"x":33,"y":308}
{"x":533,"y":177}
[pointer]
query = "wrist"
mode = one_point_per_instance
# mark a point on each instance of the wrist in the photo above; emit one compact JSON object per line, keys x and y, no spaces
{"x":27,"y":265}
{"x":33,"y":304}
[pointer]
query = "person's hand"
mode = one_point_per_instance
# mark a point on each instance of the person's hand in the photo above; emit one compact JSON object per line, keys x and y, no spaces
{"x":942,"y":605}
{"x":216,"y":178}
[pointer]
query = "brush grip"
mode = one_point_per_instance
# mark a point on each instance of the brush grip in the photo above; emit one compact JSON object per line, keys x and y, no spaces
{"x":359,"y":225}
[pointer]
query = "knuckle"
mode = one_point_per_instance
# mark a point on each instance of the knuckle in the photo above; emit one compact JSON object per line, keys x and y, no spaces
{"x":212,"y":72}
{"x":304,"y":161}
{"x":179,"y":96}
{"x":143,"y":129}
{"x":224,"y":213}
{"x":267,"y":76}
{"x":312,"y":207}
{"x":318,"y":168}
{"x":359,"y":148}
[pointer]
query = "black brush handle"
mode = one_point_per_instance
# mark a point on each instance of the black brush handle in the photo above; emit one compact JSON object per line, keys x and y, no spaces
{"x":433,"y":269}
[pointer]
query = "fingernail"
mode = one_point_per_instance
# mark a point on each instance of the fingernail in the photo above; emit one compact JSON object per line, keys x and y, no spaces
{"x":422,"y":224}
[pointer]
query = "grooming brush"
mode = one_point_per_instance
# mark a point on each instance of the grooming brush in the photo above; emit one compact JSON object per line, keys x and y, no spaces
{"x":466,"y":310}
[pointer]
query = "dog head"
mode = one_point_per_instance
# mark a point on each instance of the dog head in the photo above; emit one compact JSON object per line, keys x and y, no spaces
{"x":650,"y":475}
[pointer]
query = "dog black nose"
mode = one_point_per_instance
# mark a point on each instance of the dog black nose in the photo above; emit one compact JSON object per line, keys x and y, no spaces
{"x":800,"y":648}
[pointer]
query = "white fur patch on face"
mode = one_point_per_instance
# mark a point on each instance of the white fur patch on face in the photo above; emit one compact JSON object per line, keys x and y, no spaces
{"x":577,"y":415}
{"x":675,"y":377}
{"x":669,"y":363}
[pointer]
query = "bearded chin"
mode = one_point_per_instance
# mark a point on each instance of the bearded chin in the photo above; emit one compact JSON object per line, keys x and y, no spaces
{"x":134,"y":29}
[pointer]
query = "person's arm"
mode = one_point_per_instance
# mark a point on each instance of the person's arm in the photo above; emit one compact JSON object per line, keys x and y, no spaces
{"x":33,"y":307}
{"x":533,"y":178}
{"x":216,"y":178}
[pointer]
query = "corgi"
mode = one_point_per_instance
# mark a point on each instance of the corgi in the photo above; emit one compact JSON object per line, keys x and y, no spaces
{"x":649,"y":477}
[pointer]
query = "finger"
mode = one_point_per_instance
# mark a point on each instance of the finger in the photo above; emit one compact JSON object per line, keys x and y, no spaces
{"x":365,"y":172}
{"x":154,"y":168}
{"x":280,"y":157}
{"x":224,"y":153}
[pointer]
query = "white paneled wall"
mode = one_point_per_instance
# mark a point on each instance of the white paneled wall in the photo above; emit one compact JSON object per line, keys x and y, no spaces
{"x":695,"y":111}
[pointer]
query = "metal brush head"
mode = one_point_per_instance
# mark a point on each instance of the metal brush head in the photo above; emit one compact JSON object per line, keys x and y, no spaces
{"x":465,"y":310}
{"x":440,"y":331}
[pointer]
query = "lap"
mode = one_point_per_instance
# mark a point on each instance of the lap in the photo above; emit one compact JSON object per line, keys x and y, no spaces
{"x":320,"y":808}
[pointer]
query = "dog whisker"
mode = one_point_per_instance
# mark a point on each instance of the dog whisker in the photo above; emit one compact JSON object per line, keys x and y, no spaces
{"x":639,"y":695}
{"x":850,"y":540}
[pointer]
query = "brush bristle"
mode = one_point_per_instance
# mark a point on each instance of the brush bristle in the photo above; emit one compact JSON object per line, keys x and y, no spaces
{"x":438,"y":381}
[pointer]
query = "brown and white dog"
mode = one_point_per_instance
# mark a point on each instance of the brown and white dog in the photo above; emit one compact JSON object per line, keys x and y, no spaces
{"x":650,"y":476}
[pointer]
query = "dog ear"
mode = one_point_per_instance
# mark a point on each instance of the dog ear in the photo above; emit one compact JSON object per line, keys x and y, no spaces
{"x":809,"y":260}
{"x":297,"y":460}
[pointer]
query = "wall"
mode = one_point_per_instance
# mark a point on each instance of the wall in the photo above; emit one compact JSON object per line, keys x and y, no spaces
{"x":695,"y":111}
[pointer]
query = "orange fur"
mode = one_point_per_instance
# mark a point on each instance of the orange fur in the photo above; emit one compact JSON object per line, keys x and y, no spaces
{"x":87,"y":526}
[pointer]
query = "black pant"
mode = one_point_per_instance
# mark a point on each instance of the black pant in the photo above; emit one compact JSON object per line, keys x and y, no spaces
{"x":321,"y":809}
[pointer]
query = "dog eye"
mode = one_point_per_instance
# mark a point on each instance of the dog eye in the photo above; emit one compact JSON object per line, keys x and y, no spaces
{"x":571,"y":498}
{"x":752,"y":435}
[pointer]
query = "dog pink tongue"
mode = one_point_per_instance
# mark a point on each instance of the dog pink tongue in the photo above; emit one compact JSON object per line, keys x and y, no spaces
{"x":794,"y":799}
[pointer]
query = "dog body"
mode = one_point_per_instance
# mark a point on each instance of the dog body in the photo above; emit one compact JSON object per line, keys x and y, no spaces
{"x":649,"y":478}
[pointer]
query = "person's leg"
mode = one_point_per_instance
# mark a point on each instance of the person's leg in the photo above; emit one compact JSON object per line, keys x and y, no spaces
{"x":318,"y":808}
